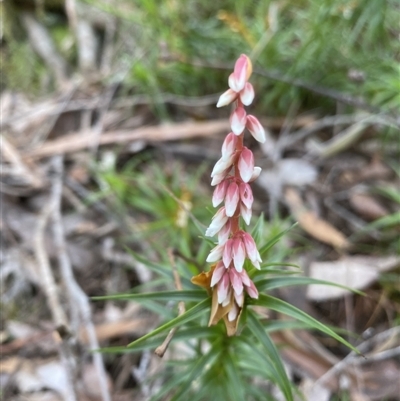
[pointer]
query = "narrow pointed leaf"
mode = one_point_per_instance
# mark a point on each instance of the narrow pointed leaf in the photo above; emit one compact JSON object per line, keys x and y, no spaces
{"x":253,"y":362}
{"x":258,"y":331}
{"x":189,"y":315}
{"x":181,"y":335}
{"x":195,"y":373}
{"x":274,"y":240}
{"x":162,"y":269}
{"x":187,"y":295}
{"x":278,"y":305}
{"x":234,"y":382}
{"x":263,"y":265}
{"x":278,"y":282}
{"x":258,"y":230}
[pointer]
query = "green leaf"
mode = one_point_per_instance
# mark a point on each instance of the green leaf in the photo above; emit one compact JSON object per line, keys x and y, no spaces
{"x":384,"y":222}
{"x":263,"y":265}
{"x":268,"y":272}
{"x":234,"y":381}
{"x":258,"y":330}
{"x":390,"y":192}
{"x":271,"y":326}
{"x":258,"y":230}
{"x":280,"y":306}
{"x":187,"y":295}
{"x":189,"y":315}
{"x":181,"y":335}
{"x":163,"y":270}
{"x":252,"y":360}
{"x":197,"y":371}
{"x":155,"y":267}
{"x":263,"y":251}
{"x":278,"y":282}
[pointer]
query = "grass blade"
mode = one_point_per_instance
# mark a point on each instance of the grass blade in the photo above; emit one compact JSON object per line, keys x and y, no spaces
{"x":189,"y":315}
{"x":278,"y":305}
{"x":258,"y":330}
{"x":187,"y":295}
{"x":274,"y":240}
{"x":278,"y":282}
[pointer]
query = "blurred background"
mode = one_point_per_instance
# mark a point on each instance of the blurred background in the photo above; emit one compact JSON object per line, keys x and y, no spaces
{"x":109,"y":135}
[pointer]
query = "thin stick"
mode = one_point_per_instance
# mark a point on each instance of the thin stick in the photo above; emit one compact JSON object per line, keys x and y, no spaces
{"x":353,"y":358}
{"x":49,"y":287}
{"x":160,"y":351}
{"x":78,"y":299}
{"x":11,"y":154}
{"x":84,"y":139}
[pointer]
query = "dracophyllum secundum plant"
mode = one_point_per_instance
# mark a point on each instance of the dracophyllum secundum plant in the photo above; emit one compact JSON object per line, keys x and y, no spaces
{"x":228,"y":280}
{"x":225,"y":362}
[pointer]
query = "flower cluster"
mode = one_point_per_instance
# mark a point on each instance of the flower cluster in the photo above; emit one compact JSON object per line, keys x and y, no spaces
{"x":231,"y":176}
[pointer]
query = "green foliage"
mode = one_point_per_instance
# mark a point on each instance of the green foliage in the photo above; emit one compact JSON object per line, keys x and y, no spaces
{"x":21,"y":69}
{"x":349,"y":47}
{"x":216,"y":364}
{"x":168,"y":199}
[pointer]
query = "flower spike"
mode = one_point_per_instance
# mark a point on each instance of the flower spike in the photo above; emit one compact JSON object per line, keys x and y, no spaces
{"x":228,"y":281}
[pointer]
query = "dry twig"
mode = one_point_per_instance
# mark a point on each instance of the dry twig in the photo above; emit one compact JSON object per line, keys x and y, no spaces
{"x":20,"y":168}
{"x":353,"y":358}
{"x":79,"y":301}
{"x":49,"y":287}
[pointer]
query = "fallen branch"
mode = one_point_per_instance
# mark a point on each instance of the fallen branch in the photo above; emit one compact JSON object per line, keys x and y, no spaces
{"x":353,"y":358}
{"x":85,"y":139}
{"x":49,"y":287}
{"x":79,"y":302}
{"x":158,"y":133}
{"x":11,"y":154}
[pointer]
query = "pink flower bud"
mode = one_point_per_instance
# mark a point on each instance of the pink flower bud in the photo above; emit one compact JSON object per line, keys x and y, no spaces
{"x":227,"y":254}
{"x":229,"y":145}
{"x":251,"y":250}
{"x":220,"y":192}
{"x":226,"y":98}
{"x":246,"y":195}
{"x":231,"y":199}
{"x":245,"y":213}
{"x":241,"y":73}
{"x":255,"y":128}
{"x":245,"y":278}
{"x":228,"y":297}
{"x":222,"y":164}
{"x":246,"y":164}
{"x":239,"y":298}
{"x":238,"y":253}
{"x":238,"y":120}
{"x":252,"y":290}
{"x":217,"y":222}
{"x":224,"y":233}
{"x":218,"y":178}
{"x":218,"y":272}
{"x":256,"y":174}
{"x":223,"y":287}
{"x":247,"y":94}
{"x":236,"y":281}
{"x":215,"y":254}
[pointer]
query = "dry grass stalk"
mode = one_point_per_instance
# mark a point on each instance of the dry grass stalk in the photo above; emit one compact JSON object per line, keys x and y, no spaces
{"x":79,"y":301}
